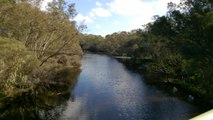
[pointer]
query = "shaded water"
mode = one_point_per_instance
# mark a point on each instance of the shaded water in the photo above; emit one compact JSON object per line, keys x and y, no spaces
{"x":106,"y":90}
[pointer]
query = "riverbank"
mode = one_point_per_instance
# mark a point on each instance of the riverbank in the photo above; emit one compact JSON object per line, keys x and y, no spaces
{"x":46,"y":95}
{"x":175,"y":87}
{"x":21,"y":75}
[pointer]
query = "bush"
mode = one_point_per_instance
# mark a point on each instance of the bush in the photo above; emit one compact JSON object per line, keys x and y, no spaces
{"x":17,"y":67}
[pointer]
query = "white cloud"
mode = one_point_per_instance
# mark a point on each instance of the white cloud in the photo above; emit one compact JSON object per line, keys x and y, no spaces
{"x":80,"y":18}
{"x":98,"y":4}
{"x":160,"y":6}
{"x":91,"y":14}
{"x":138,"y":7}
{"x":137,"y":22}
{"x":139,"y":12}
{"x":126,"y":7}
{"x":44,"y":4}
{"x":98,"y":26}
{"x":100,"y":12}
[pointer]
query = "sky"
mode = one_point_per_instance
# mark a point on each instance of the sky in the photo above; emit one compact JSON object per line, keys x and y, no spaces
{"x":104,"y":17}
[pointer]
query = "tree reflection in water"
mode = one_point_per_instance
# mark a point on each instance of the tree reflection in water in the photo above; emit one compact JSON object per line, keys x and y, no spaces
{"x":47,"y":102}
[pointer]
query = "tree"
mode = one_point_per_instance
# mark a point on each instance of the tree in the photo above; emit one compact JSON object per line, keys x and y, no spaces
{"x":47,"y":34}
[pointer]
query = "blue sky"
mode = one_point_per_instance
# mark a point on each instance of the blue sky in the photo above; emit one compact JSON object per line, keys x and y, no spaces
{"x":104,"y":17}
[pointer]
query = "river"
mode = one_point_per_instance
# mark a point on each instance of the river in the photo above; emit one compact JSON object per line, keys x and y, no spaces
{"x":106,"y":90}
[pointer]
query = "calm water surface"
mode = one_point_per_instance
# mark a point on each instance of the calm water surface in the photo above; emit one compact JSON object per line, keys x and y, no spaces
{"x":106,"y":90}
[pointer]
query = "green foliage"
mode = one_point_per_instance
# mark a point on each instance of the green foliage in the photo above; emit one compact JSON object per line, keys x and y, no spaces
{"x":47,"y":34}
{"x":2,"y":96}
{"x":91,"y":42}
{"x":17,"y":67}
{"x":192,"y":89}
{"x":120,"y":43}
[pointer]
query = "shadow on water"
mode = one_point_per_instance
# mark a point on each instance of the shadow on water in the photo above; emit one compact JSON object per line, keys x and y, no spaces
{"x":40,"y":104}
{"x":104,"y":90}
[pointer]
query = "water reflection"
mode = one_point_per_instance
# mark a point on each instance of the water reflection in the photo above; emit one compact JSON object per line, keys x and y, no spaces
{"x":111,"y":92}
{"x":105,"y":90}
{"x":48,"y":102}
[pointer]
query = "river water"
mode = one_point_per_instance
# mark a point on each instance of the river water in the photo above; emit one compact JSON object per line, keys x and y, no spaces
{"x":106,"y":90}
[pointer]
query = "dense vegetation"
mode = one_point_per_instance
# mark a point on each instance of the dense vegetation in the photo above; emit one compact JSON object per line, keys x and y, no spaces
{"x":177,"y":45}
{"x":35,"y":45}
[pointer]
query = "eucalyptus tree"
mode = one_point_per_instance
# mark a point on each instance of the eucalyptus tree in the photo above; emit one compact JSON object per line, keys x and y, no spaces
{"x":46,"y":33}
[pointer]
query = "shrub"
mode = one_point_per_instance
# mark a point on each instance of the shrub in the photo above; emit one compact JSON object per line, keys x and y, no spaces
{"x":17,"y":67}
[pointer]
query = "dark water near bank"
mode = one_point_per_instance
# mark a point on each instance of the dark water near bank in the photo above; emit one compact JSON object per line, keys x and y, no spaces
{"x":106,"y":90}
